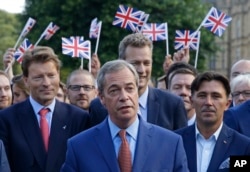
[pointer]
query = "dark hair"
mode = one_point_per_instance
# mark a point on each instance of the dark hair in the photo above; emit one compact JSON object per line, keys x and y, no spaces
{"x":210,"y":76}
{"x":19,"y":82}
{"x":39,"y":54}
{"x":185,"y":69}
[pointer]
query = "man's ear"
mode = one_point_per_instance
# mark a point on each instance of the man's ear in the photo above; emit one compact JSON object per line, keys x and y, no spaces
{"x":101,"y":97}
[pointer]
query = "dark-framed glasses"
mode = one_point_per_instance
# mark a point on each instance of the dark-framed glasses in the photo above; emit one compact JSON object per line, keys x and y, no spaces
{"x":78,"y":87}
{"x":245,"y":94}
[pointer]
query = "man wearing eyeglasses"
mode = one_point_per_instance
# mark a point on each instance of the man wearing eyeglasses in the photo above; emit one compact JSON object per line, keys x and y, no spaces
{"x":81,"y":88}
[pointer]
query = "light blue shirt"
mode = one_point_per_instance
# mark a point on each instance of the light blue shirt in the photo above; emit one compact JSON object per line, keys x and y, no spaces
{"x":37,"y":107}
{"x":143,"y":100}
{"x":132,"y":132}
{"x":205,"y":148}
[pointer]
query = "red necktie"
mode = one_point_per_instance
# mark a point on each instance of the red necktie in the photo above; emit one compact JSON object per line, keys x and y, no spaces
{"x":44,"y":126}
{"x":124,"y":156}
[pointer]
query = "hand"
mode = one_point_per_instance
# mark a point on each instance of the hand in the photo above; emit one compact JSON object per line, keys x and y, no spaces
{"x":95,"y":65}
{"x":182,"y":55}
{"x":8,"y":57}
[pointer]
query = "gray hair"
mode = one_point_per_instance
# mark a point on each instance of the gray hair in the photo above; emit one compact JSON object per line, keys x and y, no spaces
{"x":112,"y":67}
{"x":79,"y":71}
{"x":137,"y":40}
{"x":242,"y":78}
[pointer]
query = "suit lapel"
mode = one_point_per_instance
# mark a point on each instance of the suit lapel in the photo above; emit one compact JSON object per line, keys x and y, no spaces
{"x":220,"y":149}
{"x":153,"y":107}
{"x":31,"y":131}
{"x":143,"y":145}
{"x":104,"y":141}
{"x":58,"y":135}
{"x":189,"y":140}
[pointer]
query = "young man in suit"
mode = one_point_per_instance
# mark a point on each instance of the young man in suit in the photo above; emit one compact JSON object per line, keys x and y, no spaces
{"x":36,"y":141}
{"x":148,"y":147}
{"x":156,"y":106}
{"x":209,"y":143}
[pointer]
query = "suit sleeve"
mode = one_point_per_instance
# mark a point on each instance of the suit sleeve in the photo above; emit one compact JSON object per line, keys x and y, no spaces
{"x":4,"y":166}
{"x":230,"y":120}
{"x":180,"y":119}
{"x":70,"y":164}
{"x":181,"y":164}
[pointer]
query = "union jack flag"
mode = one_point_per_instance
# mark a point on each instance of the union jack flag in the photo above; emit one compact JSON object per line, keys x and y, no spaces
{"x":156,"y":31}
{"x":50,"y":31}
{"x":76,"y":47}
{"x":95,"y":28}
{"x":143,"y":21}
{"x":127,"y":17}
{"x":26,"y":45}
{"x":28,"y":26}
{"x":216,"y":21}
{"x":185,"y":38}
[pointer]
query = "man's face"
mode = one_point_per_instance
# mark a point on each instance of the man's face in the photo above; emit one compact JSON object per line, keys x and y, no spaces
{"x":43,"y":82}
{"x":120,"y":97}
{"x":181,"y":85}
{"x":5,"y":92}
{"x":83,"y":96}
{"x":141,"y":59}
{"x":241,"y":93}
{"x":210,"y":102}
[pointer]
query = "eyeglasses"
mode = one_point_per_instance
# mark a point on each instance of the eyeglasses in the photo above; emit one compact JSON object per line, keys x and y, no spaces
{"x":245,"y":94}
{"x":78,"y":87}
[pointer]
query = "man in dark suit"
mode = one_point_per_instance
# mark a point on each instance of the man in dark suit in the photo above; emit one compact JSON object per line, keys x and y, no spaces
{"x":33,"y":142}
{"x":148,"y":147}
{"x":156,"y":106}
{"x":238,"y":118}
{"x":209,"y":143}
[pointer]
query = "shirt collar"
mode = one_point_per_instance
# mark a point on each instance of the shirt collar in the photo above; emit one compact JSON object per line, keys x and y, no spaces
{"x":37,"y":107}
{"x":143,"y":99}
{"x":215,"y":134}
{"x":132,"y":130}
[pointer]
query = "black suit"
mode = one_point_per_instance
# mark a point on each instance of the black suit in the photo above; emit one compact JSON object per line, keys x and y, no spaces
{"x":20,"y":132}
{"x":164,"y":109}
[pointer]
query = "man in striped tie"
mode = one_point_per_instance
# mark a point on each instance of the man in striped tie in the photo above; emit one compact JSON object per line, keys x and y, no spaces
{"x":123,"y":141}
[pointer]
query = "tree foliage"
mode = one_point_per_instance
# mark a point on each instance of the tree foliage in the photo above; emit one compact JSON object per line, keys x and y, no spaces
{"x":74,"y":19}
{"x":9,"y":30}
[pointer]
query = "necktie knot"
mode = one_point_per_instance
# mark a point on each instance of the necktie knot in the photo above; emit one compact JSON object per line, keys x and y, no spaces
{"x":122,"y":134}
{"x":43,"y":112}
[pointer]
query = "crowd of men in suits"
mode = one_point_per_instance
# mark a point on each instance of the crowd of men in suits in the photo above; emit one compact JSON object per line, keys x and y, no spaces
{"x":179,"y":128}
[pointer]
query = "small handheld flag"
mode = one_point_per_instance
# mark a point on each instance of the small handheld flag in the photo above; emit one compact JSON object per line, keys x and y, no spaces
{"x":216,"y":21}
{"x":26,"y":45}
{"x":184,"y":38}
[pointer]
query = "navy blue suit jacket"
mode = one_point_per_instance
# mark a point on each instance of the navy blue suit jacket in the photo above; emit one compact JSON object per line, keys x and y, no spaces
{"x":229,"y":143}
{"x":4,"y":164}
{"x":157,"y":149}
{"x":164,"y":109}
{"x":238,"y":118}
{"x":20,"y":132}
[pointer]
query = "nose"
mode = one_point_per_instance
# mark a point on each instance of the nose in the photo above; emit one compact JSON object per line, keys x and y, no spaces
{"x":46,"y":80}
{"x":3,"y":92}
{"x":241,"y":97}
{"x":185,"y":92}
{"x":123,"y":95}
{"x":208,"y":100}
{"x":140,"y":68}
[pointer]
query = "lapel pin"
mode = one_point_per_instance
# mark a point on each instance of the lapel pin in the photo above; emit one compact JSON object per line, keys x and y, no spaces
{"x":225,"y":141}
{"x":64,"y":127}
